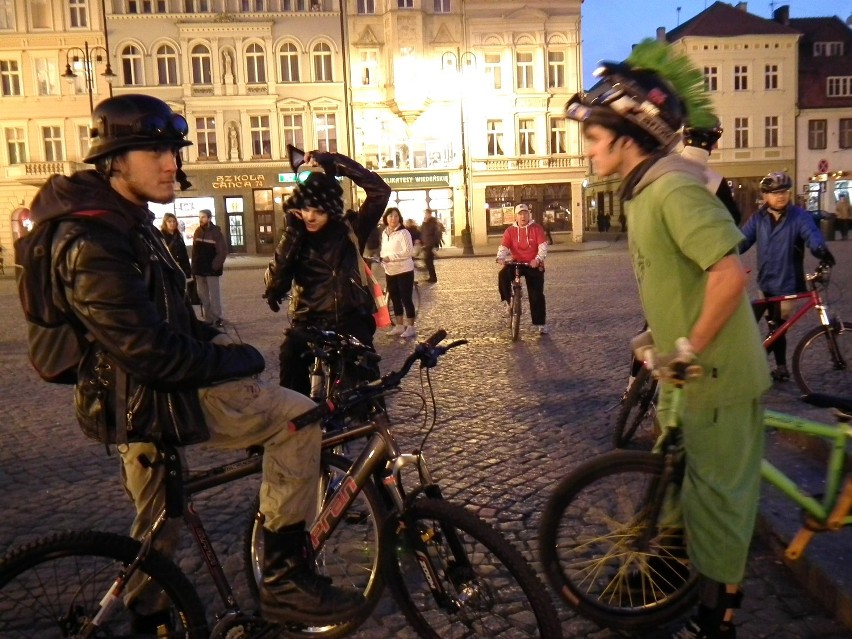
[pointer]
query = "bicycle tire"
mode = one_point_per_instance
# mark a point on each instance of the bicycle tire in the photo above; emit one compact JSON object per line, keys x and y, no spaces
{"x":497,"y":594}
{"x":515,"y":322}
{"x":636,"y":410}
{"x":814,"y":368}
{"x":353,"y":538}
{"x":51,"y":587}
{"x":588,"y":537}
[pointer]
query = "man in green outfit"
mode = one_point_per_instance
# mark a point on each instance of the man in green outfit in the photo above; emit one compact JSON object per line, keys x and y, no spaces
{"x":683,"y":244}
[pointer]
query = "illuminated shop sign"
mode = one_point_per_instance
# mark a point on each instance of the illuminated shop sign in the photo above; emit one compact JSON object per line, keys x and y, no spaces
{"x":239,"y":181}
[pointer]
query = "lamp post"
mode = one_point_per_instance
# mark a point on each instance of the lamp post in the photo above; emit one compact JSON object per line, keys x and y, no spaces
{"x":459,"y":61}
{"x":88,"y":56}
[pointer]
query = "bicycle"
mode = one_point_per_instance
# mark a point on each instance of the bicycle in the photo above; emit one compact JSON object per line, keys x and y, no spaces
{"x":449,"y":571}
{"x":516,"y":300}
{"x":611,"y":547}
{"x":821,"y":359}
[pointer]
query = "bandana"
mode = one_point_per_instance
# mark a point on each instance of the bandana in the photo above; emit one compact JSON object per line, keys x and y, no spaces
{"x":318,"y":191}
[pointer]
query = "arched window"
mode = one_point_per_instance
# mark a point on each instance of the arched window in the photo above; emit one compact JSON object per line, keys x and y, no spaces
{"x":202,"y":65}
{"x":131,"y":66}
{"x":288,"y":63}
{"x":255,"y":64}
{"x":166,"y":58}
{"x":321,"y":57}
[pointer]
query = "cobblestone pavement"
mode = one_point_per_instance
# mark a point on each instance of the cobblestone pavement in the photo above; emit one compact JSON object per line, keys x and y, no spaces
{"x":513,"y":419}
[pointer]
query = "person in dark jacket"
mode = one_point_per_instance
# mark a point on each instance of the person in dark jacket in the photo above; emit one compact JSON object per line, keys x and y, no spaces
{"x":209,"y":251}
{"x":174,"y":242}
{"x":430,"y":238}
{"x":180,"y":380}
{"x":781,"y":231}
{"x":319,"y":260}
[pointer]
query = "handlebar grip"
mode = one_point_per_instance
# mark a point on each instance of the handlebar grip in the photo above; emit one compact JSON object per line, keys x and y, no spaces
{"x":437,"y":338}
{"x":307,"y":418}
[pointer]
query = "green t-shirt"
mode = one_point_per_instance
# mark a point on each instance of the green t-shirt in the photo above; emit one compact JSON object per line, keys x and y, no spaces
{"x":678,"y":230}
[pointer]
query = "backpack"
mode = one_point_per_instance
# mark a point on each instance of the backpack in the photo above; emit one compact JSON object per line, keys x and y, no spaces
{"x":56,"y":340}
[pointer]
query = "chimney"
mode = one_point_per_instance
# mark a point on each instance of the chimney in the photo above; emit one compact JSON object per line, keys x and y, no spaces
{"x":781,"y":15}
{"x":742,"y":6}
{"x":661,"y":34}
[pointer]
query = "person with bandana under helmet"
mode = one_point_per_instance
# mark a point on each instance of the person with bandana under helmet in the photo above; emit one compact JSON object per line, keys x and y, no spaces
{"x":684,"y":247}
{"x":318,"y":260}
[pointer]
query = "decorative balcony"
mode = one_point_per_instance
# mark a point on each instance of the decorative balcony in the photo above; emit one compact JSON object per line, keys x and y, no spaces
{"x":35,"y":173}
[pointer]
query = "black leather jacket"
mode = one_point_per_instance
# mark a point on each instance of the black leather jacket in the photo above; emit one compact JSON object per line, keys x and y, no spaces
{"x":326,"y":281}
{"x":148,"y":354}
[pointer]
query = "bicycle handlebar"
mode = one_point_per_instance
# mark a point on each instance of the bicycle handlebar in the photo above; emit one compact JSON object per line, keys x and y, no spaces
{"x":427,"y":353}
{"x":820,"y":275}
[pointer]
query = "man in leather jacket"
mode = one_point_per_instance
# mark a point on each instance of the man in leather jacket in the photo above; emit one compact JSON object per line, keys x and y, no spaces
{"x":319,"y":258}
{"x":152,"y":371}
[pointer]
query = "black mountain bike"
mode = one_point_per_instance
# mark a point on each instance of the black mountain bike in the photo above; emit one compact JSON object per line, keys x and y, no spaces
{"x":516,"y":301}
{"x":383,"y":518}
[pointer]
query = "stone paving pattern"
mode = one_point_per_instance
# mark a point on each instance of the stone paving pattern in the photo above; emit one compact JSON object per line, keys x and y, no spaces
{"x":513,"y":419}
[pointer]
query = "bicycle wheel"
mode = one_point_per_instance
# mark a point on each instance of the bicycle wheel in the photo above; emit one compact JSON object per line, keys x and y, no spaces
{"x":822,"y":361}
{"x":515,"y":322}
{"x":602,"y":554}
{"x":491,"y":590}
{"x":350,"y":557}
{"x":637,"y":410}
{"x":52,"y":587}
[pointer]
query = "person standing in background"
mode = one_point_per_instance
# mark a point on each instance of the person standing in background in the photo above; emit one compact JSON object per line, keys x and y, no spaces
{"x":430,"y":238}
{"x":397,"y":252}
{"x":208,"y":259}
{"x":174,"y":242}
{"x":844,"y":212}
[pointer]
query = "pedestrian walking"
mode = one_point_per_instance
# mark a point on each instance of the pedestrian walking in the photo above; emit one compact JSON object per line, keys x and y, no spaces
{"x":430,"y":237}
{"x":844,"y":215}
{"x":397,"y":260}
{"x":209,"y":251}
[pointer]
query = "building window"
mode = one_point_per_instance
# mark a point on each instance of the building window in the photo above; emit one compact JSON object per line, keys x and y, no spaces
{"x":196,"y":6}
{"x":202,"y":65}
{"x":253,"y":6}
{"x":16,"y":147}
{"x":740,"y":78}
{"x":558,"y":136}
{"x":261,"y":138}
{"x":293,"y":5}
{"x":556,"y":69}
{"x":321,"y":56}
{"x":442,"y":6}
{"x":52,"y":144}
{"x":826,"y":49}
{"x":293,"y":130}
{"x":78,"y":15}
{"x":711,"y":78}
{"x":288,"y":62}
{"x":47,"y":76}
{"x":369,"y":67}
{"x":146,"y":6}
{"x":405,"y":4}
{"x":741,"y":133}
{"x":771,"y":77}
{"x":839,"y":87}
{"x":366,"y":7}
{"x":325,"y":125}
{"x":7,"y":15}
{"x":492,"y":70}
{"x":844,"y":137}
{"x":817,"y":134}
{"x":770,"y":137}
{"x":166,"y":58}
{"x":526,"y":136}
{"x":524,"y":70}
{"x":494,"y":131}
{"x":205,"y":132}
{"x":83,"y":140}
{"x":255,"y":64}
{"x":131,"y":66}
{"x":10,"y":78}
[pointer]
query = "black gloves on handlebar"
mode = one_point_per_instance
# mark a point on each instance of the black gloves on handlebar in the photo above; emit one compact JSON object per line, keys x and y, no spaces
{"x":825,"y":256}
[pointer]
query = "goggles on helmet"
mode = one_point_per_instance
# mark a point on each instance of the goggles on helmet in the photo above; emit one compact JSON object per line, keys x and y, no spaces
{"x":148,"y":126}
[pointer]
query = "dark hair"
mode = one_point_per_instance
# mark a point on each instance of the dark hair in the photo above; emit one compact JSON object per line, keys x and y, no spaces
{"x":392,"y":209}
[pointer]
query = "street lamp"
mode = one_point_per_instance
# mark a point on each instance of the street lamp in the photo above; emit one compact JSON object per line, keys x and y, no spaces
{"x":88,"y":56}
{"x":459,"y":61}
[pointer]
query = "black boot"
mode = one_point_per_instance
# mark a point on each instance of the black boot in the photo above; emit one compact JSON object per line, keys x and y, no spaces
{"x":713,"y":604}
{"x":292,"y":590}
